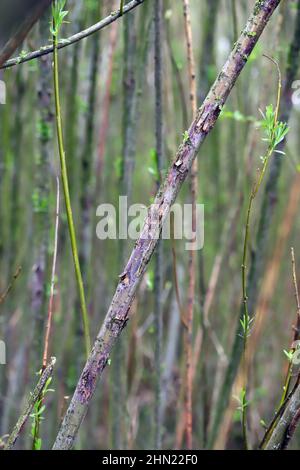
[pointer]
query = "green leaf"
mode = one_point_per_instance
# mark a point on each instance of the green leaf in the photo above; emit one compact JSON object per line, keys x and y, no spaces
{"x":289,"y":355}
{"x":58,"y":14}
{"x":186,"y":137}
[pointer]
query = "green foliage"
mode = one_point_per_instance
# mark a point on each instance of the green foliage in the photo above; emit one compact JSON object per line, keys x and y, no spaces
{"x":91,"y":5}
{"x":40,"y":204}
{"x":258,"y":5}
{"x":118,"y":166}
{"x":48,"y":287}
{"x":44,"y":130}
{"x":150,"y":281}
{"x":246,"y":324}
{"x":186,"y":137}
{"x":275,"y":131}
{"x":238,"y":116}
{"x":37,"y":416}
{"x":255,"y":54}
{"x":153,"y":167}
{"x":289,"y":354}
{"x":58,"y":14}
{"x":81,"y":104}
{"x":263,"y":424}
{"x":242,"y":401}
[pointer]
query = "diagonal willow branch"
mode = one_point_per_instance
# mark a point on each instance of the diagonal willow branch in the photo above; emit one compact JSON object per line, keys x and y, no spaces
{"x":118,"y":313}
{"x":75,"y":38}
{"x":30,"y":404}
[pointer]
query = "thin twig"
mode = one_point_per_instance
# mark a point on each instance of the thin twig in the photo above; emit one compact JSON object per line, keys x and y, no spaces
{"x":296,"y":335}
{"x":121,"y":7}
{"x":258,"y":258}
{"x":175,"y":274}
{"x":193,"y":253}
{"x":285,"y":394}
{"x":10,"y":286}
{"x":74,"y":38}
{"x":254,"y":191}
{"x":30,"y":404}
{"x":159,"y":255}
{"x":50,"y":308}
{"x":64,"y":176}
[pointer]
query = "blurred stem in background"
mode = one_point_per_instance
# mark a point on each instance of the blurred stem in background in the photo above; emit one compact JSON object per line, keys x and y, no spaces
{"x":192,"y":264}
{"x":58,"y":16}
{"x":159,"y":261}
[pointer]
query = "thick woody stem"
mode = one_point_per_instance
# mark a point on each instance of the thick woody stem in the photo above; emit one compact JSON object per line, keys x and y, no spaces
{"x":118,"y":313}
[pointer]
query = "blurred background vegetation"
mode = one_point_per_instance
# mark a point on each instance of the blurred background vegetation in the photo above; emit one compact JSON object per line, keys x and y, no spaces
{"x":107,"y":91}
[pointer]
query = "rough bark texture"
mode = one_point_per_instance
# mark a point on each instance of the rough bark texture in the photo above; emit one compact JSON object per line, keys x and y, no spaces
{"x":118,"y":313}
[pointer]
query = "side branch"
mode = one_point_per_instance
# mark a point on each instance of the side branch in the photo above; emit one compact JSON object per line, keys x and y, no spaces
{"x":73,"y":39}
{"x":30,"y":404}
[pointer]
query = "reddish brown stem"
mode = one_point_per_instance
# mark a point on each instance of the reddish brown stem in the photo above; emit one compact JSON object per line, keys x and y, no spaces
{"x":50,"y":308}
{"x":193,"y":252}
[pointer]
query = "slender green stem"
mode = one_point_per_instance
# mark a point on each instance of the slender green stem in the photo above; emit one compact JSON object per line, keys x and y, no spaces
{"x":121,"y":7}
{"x":244,"y":420}
{"x":288,"y":377}
{"x":289,"y":373}
{"x":34,"y":396}
{"x":64,"y":177}
{"x":255,"y":189}
{"x":287,"y":383}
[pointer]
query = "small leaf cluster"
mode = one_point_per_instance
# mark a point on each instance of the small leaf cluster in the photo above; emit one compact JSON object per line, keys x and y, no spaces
{"x":243,"y":403}
{"x":186,"y":137}
{"x":289,"y":354}
{"x":246,"y":324}
{"x":36,"y":416}
{"x":275,"y":131}
{"x":58,"y":15}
